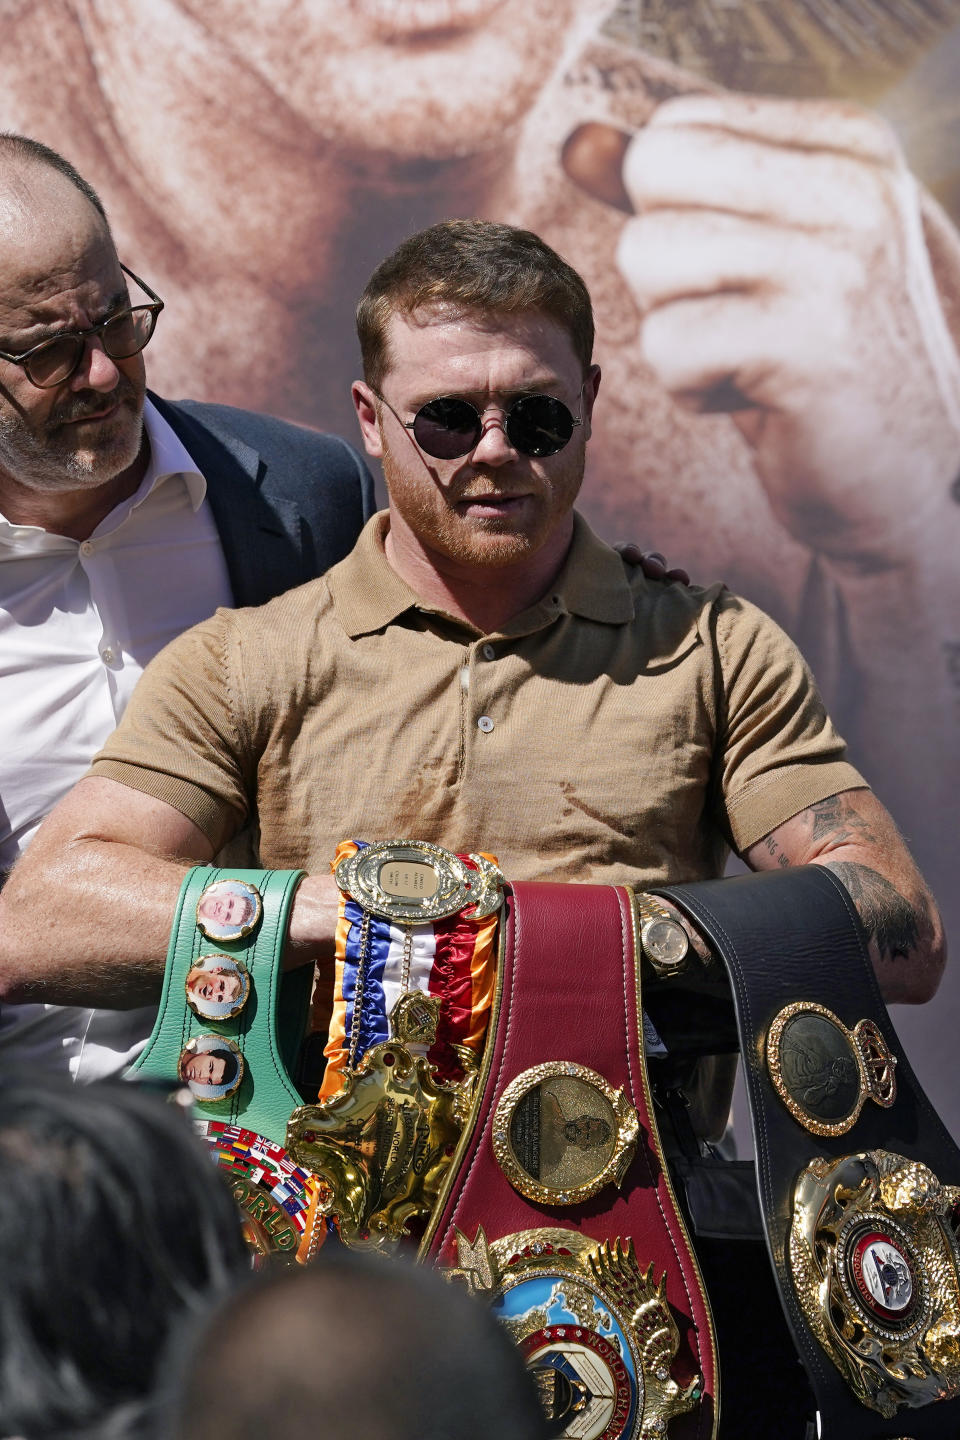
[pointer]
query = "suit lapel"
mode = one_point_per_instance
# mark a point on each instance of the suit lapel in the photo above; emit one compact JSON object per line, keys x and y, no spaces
{"x":260,"y":541}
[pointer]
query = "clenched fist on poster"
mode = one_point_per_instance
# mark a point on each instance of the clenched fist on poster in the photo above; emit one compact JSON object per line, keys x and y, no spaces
{"x":777,"y":254}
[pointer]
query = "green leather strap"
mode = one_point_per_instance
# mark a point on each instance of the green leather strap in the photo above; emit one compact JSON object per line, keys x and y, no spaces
{"x":268,"y":1029}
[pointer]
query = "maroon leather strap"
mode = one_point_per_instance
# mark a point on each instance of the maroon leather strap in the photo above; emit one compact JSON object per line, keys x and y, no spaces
{"x":569,"y":990}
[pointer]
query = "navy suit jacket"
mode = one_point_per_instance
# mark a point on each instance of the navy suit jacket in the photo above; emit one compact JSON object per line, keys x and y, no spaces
{"x":288,"y":502}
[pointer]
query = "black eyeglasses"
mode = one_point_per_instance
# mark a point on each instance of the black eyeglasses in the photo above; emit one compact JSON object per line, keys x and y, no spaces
{"x":449,"y":426}
{"x":123,"y":334}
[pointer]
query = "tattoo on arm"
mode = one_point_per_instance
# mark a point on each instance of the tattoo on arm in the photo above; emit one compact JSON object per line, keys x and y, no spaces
{"x":836,"y":819}
{"x":890,"y":921}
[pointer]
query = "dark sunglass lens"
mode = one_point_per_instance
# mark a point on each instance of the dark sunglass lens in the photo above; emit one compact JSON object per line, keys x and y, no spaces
{"x":54,"y":362}
{"x":127,"y":333}
{"x":538,"y":425}
{"x":447,"y":428}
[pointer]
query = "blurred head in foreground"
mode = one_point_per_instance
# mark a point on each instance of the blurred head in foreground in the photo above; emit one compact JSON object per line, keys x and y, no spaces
{"x":358,"y":1345}
{"x":113,"y":1225}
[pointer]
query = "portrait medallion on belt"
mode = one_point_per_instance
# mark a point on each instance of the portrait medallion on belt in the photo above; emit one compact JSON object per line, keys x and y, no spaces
{"x":211,"y":1067}
{"x":229,"y":910}
{"x":561,"y":1132}
{"x":217,"y":986}
{"x":825,"y":1073}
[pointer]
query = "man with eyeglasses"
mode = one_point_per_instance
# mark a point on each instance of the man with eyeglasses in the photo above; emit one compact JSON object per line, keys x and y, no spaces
{"x":123,"y":520}
{"x":480,"y":672}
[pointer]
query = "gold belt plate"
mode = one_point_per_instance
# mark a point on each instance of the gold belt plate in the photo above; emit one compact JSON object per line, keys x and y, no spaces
{"x":413,"y":881}
{"x":874,"y":1260}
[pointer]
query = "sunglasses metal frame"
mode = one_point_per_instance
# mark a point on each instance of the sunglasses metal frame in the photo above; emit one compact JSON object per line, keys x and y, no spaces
{"x":23,"y":359}
{"x":502,"y":424}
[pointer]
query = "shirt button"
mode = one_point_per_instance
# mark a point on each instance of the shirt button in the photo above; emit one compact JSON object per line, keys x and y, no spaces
{"x":485,"y":724}
{"x":488,"y":652}
{"x":86,"y":548}
{"x":107,"y":655}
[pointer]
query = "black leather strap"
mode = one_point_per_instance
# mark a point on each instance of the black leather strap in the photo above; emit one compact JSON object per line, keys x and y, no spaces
{"x":795,"y":935}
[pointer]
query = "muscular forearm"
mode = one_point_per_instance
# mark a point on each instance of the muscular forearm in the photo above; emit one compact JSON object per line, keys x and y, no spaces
{"x":85,"y":917}
{"x":93,"y":928}
{"x":903,"y":929}
{"x":90,"y":927}
{"x":853,"y":835}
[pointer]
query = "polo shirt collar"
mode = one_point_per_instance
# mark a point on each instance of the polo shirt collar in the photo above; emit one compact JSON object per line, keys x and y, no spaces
{"x":368,"y":594}
{"x":593,"y":582}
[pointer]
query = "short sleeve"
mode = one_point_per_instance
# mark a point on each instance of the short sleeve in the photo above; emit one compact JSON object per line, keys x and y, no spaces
{"x":179,"y":740}
{"x":777,"y":751}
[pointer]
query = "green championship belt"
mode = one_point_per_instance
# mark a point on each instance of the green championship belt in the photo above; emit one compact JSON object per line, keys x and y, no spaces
{"x":229,"y":1027}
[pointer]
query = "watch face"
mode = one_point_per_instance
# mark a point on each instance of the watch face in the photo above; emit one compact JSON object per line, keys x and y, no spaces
{"x":665,"y":941}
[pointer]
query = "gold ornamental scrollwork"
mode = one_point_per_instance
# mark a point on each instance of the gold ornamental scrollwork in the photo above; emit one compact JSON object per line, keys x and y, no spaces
{"x":593,"y":1326}
{"x":383,"y":1144}
{"x":825,"y":1073}
{"x":561,"y":1132}
{"x":874,"y":1260}
{"x":413,"y":881}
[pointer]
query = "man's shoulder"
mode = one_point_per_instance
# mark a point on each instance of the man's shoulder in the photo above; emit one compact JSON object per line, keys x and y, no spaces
{"x":288,"y":620}
{"x":276,"y":638}
{"x":670,"y":615}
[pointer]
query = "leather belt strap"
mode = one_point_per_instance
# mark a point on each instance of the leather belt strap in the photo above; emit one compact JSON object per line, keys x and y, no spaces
{"x":246,"y":1128}
{"x":569,"y":990}
{"x":794,"y":938}
{"x":268,"y":1028}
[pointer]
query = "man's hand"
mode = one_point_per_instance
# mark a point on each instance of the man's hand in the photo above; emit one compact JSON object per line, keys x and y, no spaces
{"x":651,"y":562}
{"x":854,"y":836}
{"x":777,"y":253}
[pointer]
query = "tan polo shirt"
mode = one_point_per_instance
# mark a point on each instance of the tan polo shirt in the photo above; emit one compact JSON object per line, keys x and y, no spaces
{"x":619,"y":730}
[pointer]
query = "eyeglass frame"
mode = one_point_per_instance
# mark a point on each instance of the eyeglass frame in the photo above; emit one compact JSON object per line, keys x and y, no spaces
{"x":154,"y":307}
{"x":409,"y":424}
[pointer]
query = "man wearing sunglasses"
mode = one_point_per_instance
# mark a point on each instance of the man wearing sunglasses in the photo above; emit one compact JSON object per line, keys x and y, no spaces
{"x":123,"y":520}
{"x":480,"y":672}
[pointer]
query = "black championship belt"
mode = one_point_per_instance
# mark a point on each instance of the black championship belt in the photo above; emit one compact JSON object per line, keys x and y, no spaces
{"x":857,"y":1176}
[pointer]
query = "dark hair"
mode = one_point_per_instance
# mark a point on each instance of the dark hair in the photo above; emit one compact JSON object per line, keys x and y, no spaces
{"x":25,"y":148}
{"x":113,"y":1224}
{"x":472,"y":265}
{"x":382,"y":1346}
{"x":230,"y":1063}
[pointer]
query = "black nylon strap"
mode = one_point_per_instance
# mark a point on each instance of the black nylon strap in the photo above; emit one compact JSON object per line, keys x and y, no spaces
{"x":795,"y":935}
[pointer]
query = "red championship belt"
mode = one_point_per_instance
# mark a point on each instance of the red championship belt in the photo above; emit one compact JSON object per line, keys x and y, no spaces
{"x":558,"y":1206}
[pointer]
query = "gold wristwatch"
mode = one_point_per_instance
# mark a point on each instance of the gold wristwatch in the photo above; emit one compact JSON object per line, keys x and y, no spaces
{"x":662,"y":938}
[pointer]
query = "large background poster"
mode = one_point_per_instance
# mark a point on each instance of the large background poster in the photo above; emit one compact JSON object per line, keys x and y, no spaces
{"x":776,"y":274}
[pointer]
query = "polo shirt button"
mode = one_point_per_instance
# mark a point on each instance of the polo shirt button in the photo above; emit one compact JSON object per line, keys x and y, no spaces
{"x":485,"y":724}
{"x":488,"y":652}
{"x":86,"y":548}
{"x":107,"y":655}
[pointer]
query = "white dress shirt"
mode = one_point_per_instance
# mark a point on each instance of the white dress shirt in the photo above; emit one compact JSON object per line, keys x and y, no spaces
{"x":79,"y":620}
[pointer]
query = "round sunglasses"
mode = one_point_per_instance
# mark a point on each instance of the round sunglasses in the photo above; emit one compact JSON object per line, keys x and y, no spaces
{"x":450,"y":427}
